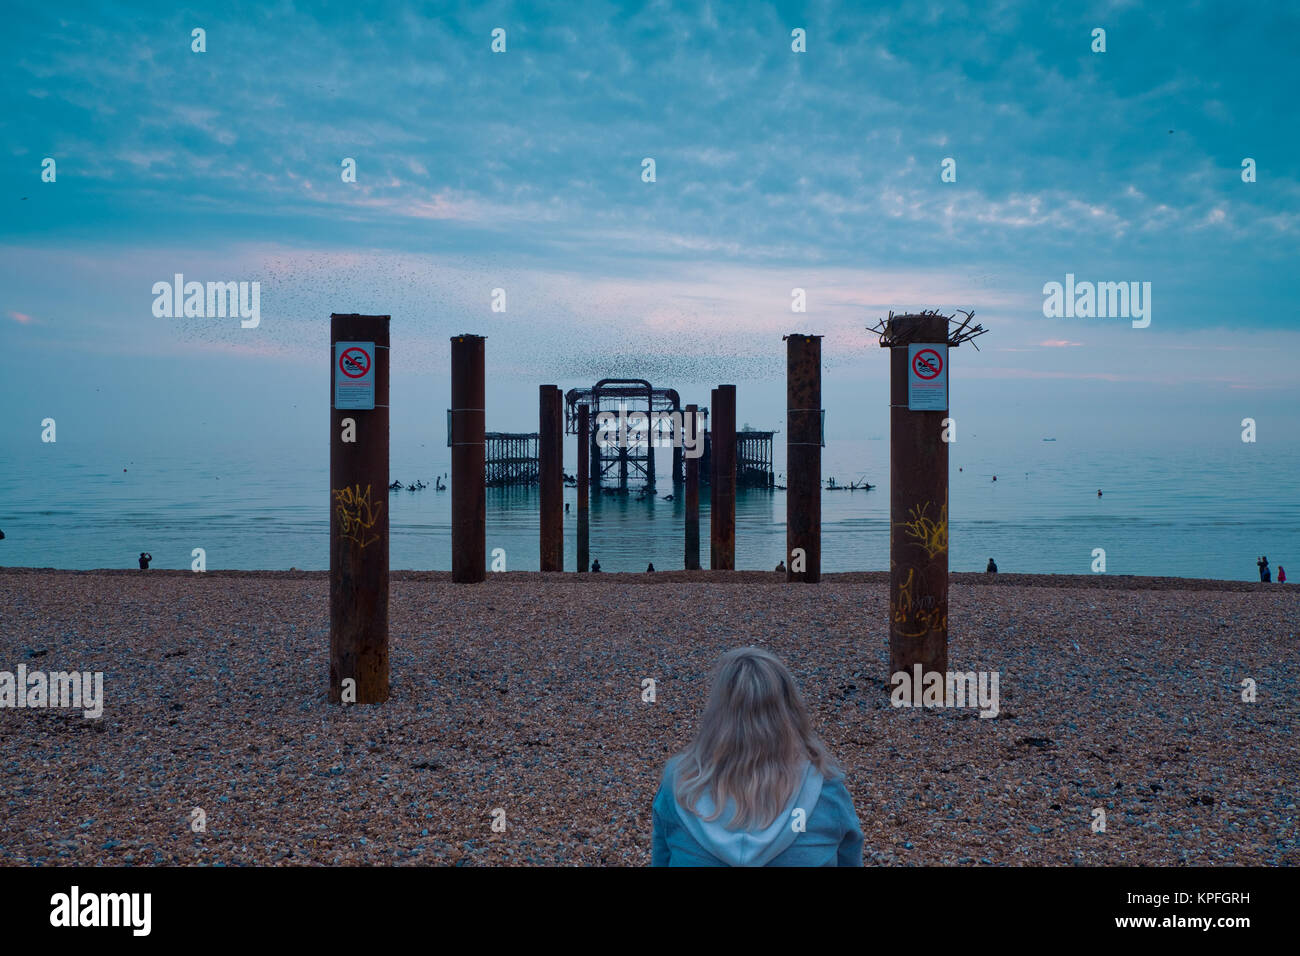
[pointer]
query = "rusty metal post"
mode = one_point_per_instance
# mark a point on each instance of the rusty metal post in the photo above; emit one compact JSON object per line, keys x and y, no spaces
{"x":467,"y":426}
{"x":918,"y":511}
{"x":584,"y":488}
{"x":550,"y":478}
{"x":803,"y":499}
{"x":722,"y":494}
{"x":359,"y":508}
{"x":692,"y":497}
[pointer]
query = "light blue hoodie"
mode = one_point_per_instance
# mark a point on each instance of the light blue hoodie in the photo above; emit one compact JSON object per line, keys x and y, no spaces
{"x":831,"y":835}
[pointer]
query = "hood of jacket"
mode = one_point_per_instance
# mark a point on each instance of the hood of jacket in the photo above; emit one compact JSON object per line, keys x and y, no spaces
{"x":752,"y":847}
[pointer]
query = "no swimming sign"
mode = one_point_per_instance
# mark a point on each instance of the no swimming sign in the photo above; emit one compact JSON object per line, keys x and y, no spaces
{"x":354,"y":375}
{"x":927,"y":378}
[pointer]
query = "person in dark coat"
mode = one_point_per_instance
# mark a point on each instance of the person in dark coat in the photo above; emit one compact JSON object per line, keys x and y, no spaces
{"x":1265,"y":574}
{"x":145,"y":558}
{"x":595,"y":567}
{"x":992,"y":568}
{"x":781,"y":566}
{"x":651,"y":568}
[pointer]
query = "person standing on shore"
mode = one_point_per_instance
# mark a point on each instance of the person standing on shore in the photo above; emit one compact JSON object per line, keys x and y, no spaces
{"x":1265,"y":574}
{"x":992,"y":568}
{"x":145,"y":558}
{"x":1281,"y":574}
{"x":756,"y":787}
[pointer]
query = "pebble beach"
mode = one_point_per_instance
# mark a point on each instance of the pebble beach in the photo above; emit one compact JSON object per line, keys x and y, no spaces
{"x":524,"y":694}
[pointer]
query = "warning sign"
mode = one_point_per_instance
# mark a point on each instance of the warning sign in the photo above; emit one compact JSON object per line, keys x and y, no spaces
{"x":354,"y":375}
{"x":927,"y":378}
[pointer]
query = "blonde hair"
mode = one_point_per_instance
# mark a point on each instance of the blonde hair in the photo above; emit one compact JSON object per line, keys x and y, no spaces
{"x":754,"y":740}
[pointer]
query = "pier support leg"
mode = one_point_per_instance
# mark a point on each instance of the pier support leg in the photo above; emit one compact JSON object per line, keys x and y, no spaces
{"x":468,"y":477}
{"x":359,"y":514}
{"x":550,"y":462}
{"x":722,"y":494}
{"x":584,"y":488}
{"x":692,"y":499}
{"x":918,"y":512}
{"x":803,"y":500}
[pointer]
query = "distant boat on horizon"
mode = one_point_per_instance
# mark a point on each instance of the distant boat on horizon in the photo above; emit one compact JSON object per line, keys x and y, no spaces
{"x":1049,"y":439}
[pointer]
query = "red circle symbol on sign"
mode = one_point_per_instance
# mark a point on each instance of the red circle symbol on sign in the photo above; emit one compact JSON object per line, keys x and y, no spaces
{"x":354,"y":362}
{"x":927,"y":364}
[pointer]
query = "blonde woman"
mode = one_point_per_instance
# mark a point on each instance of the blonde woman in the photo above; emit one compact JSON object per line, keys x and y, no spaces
{"x":782,"y":799}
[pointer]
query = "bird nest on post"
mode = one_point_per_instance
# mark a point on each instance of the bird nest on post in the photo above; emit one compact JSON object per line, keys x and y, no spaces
{"x":893,"y":335}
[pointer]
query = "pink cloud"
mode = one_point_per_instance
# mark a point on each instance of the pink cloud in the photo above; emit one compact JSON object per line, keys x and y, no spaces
{"x":22,"y":317}
{"x":1058,"y":343}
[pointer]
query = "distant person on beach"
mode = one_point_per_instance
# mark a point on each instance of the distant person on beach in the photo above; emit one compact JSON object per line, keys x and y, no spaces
{"x":1098,"y":492}
{"x":781,"y":566}
{"x":1264,"y":573}
{"x":992,"y":568}
{"x":1281,"y":571}
{"x":145,"y":558}
{"x":756,"y":787}
{"x":595,"y":567}
{"x":651,"y":568}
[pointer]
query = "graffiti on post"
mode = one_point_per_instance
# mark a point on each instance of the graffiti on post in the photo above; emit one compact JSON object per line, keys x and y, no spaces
{"x":357,"y":514}
{"x":923,"y":530}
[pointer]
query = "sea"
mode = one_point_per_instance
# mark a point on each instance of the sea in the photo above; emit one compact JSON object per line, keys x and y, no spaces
{"x":1181,"y":508}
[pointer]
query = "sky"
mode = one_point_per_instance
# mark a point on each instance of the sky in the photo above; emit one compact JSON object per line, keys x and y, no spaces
{"x":524,"y":170}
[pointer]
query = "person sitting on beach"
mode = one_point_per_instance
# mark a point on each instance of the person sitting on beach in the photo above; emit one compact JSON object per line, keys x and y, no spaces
{"x":756,"y":787}
{"x":651,"y":568}
{"x":1281,"y":571}
{"x":780,"y":566}
{"x":1265,"y":574}
{"x":145,"y":558}
{"x":595,"y":567}
{"x":992,"y":568}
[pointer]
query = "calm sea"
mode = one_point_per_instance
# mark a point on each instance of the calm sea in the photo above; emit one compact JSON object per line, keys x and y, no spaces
{"x":1192,"y":510}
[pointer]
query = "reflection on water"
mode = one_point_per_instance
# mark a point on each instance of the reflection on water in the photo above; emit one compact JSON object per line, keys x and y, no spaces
{"x":1196,"y":512}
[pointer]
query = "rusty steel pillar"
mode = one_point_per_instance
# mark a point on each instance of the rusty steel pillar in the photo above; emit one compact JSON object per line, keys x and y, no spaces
{"x":550,"y":477}
{"x":722,"y":494}
{"x":803,"y":417}
{"x":467,"y":426}
{"x":358,"y":509}
{"x":692,"y":497}
{"x":918,"y":506}
{"x":584,"y":488}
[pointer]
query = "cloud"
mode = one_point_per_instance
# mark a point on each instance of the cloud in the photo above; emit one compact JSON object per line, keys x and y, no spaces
{"x":1059,"y":344}
{"x":21,"y":317}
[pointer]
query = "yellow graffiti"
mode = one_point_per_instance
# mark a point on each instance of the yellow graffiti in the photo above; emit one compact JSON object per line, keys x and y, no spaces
{"x":929,"y":534}
{"x":924,"y":618}
{"x":357,"y":515}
